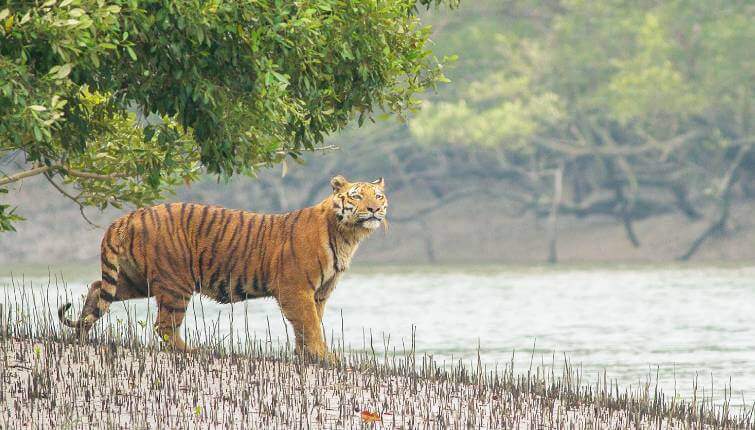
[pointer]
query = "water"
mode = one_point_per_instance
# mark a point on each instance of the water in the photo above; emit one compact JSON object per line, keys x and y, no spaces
{"x":633,"y":323}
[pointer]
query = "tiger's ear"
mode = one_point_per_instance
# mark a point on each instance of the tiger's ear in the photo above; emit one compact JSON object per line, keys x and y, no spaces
{"x":338,"y":183}
{"x":379,"y":182}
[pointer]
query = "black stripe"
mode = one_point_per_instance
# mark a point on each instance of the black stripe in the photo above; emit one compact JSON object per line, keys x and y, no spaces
{"x":322,"y":272}
{"x":108,"y":264}
{"x":189,"y":248}
{"x":240,"y":293}
{"x":124,"y":279}
{"x":255,"y":283}
{"x":170,"y":309}
{"x":213,"y":278}
{"x":183,"y":249}
{"x":206,"y":234}
{"x":262,"y":248}
{"x":219,"y":237}
{"x":178,"y":295}
{"x":212,"y":222}
{"x":266,"y":275}
{"x":144,"y":240}
{"x":104,"y":295}
{"x":108,"y":239}
{"x":135,"y":285}
{"x":131,"y":240}
{"x":111,"y":248}
{"x":202,"y":219}
{"x":200,"y":281}
{"x":222,"y":296}
{"x":153,"y":216}
{"x":182,"y":213}
{"x":232,"y":259}
{"x":332,"y":247}
{"x":171,"y":228}
{"x":260,"y":232}
{"x":192,"y":210}
{"x":246,"y":250}
{"x":291,"y":235}
{"x":170,"y":253}
{"x":109,"y":279}
{"x":225,"y":222}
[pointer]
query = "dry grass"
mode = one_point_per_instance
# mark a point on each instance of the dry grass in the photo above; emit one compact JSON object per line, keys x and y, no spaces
{"x":122,"y":380}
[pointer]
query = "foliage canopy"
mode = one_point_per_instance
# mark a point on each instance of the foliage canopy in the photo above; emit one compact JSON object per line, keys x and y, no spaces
{"x":623,"y":100}
{"x":123,"y":97}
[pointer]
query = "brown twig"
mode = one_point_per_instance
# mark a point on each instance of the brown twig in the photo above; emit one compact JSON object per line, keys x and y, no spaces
{"x":74,"y":199}
{"x":67,"y":170}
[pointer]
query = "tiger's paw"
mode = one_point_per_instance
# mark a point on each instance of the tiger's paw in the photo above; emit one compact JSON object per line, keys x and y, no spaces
{"x":331,"y":359}
{"x":321,"y":357}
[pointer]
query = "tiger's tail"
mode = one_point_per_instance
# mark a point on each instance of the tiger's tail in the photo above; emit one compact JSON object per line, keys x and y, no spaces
{"x":68,"y":322}
{"x":89,"y":314}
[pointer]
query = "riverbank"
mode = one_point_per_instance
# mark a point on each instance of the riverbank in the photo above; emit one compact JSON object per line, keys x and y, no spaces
{"x":492,"y":233}
{"x":55,"y":383}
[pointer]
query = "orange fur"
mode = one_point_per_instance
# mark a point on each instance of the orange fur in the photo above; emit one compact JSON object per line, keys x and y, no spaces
{"x":173,"y":251}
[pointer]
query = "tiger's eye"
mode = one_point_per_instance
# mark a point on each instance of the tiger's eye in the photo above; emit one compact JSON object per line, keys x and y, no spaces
{"x":356,"y":197}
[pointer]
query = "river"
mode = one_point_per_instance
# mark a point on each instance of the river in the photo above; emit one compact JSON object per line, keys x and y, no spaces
{"x":635,"y":324}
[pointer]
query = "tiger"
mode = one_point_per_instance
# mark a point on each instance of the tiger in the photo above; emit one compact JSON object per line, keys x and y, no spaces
{"x":175,"y":250}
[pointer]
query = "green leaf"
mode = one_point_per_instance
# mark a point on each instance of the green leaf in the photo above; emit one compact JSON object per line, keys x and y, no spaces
{"x":63,"y":71}
{"x":131,"y":53}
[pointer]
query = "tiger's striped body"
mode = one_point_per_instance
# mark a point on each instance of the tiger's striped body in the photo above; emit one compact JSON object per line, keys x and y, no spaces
{"x":173,"y":251}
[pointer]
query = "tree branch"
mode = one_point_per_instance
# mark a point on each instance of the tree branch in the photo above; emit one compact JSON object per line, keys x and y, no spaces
{"x":68,"y":171}
{"x":719,"y":225}
{"x":568,"y":148}
{"x":89,"y":175}
{"x":25,"y":174}
{"x":74,"y":199}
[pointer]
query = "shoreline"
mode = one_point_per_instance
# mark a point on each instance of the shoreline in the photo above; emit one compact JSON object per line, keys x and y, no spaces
{"x":88,"y":270}
{"x":123,"y":383}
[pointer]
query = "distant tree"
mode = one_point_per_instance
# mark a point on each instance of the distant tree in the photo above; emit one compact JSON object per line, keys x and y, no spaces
{"x":599,"y":107}
{"x":121,"y":99}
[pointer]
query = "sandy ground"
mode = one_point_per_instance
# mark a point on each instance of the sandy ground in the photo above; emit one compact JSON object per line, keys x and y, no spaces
{"x":49,"y":384}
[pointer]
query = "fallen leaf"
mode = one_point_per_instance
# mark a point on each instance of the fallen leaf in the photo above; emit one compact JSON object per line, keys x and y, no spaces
{"x":370,"y":417}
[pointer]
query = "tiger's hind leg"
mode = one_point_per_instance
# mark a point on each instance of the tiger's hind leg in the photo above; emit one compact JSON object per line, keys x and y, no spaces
{"x":171,"y":311}
{"x":85,"y":321}
{"x":99,"y":298}
{"x":105,"y":295}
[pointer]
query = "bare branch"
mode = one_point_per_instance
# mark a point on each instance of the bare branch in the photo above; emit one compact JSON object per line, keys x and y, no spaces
{"x":25,"y":174}
{"x":719,"y":225}
{"x":68,"y":171}
{"x":89,"y":175}
{"x":450,"y":198}
{"x":74,"y":199}
{"x":573,"y":150}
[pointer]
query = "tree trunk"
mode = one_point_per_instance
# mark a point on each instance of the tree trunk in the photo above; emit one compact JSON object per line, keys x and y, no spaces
{"x":429,"y":243}
{"x":719,"y":224}
{"x":558,"y":176}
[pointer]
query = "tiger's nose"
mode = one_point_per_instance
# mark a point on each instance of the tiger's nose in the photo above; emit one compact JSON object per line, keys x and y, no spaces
{"x":373,"y":209}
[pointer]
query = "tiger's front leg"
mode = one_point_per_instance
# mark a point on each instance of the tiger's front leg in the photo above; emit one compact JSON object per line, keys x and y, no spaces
{"x":302,"y":312}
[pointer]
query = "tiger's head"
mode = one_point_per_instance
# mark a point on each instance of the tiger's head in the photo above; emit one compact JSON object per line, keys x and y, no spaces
{"x":359,"y":204}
